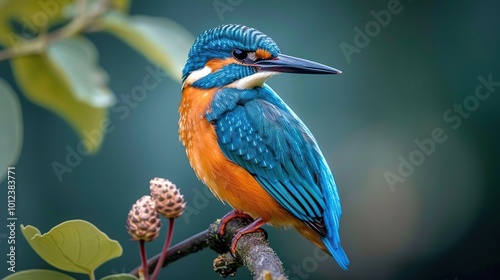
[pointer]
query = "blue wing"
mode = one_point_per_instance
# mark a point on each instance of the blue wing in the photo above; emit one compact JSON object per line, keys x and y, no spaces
{"x":257,"y":130}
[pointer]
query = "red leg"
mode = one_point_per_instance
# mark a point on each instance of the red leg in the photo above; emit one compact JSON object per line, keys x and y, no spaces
{"x":228,"y":217}
{"x":253,"y":227}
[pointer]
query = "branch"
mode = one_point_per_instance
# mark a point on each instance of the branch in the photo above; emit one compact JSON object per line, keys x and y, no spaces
{"x":82,"y":20}
{"x":253,"y":252}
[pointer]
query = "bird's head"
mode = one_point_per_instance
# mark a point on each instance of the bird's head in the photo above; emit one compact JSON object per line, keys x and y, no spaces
{"x":241,"y":57}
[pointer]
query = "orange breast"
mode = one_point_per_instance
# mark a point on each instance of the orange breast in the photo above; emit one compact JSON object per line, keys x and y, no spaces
{"x":227,"y":180}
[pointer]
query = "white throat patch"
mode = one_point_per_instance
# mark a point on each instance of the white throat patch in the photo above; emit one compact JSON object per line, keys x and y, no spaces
{"x":196,"y":75}
{"x":254,"y":80}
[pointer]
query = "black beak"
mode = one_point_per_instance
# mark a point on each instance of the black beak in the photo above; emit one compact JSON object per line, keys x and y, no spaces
{"x":289,"y":64}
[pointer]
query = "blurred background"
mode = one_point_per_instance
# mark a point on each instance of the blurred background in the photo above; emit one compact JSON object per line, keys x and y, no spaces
{"x":410,"y":210}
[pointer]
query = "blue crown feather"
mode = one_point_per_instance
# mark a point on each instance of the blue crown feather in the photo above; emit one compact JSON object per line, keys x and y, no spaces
{"x":218,"y":42}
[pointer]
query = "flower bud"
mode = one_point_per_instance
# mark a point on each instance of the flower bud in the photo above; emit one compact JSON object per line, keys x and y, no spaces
{"x":143,"y":222}
{"x":169,"y":201}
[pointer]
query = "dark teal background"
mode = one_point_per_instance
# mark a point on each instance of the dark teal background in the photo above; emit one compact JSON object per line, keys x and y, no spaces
{"x":442,"y":222}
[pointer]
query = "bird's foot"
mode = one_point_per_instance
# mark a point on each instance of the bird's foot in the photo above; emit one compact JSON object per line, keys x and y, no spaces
{"x":250,"y":228}
{"x":228,"y":217}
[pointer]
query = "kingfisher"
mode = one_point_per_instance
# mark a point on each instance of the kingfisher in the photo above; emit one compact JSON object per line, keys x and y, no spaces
{"x":248,"y":146}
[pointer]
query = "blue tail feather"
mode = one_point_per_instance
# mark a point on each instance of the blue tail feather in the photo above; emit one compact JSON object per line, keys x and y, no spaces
{"x":337,"y":252}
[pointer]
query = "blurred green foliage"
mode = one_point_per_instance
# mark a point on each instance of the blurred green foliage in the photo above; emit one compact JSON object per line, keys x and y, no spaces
{"x":441,"y":223}
{"x":11,"y":126}
{"x":58,"y":69}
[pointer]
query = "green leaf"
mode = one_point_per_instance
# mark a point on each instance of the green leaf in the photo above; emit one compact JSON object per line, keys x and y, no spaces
{"x":76,"y":92}
{"x":37,"y":16}
{"x":160,"y":40}
{"x":33,"y":16}
{"x":121,"y":6}
{"x":11,"y":128}
{"x":76,"y":61}
{"x":75,"y":246}
{"x":122,"y":276}
{"x":38,"y":274}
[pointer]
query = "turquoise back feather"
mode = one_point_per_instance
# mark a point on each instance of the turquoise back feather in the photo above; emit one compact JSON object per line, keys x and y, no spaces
{"x":258,"y":131}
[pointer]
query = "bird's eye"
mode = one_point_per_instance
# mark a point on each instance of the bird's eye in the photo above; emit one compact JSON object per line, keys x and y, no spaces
{"x":239,"y":54}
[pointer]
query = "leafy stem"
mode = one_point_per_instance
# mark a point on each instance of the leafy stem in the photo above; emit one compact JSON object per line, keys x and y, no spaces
{"x":84,"y":18}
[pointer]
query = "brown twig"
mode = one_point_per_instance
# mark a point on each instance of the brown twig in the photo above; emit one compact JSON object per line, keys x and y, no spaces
{"x":252,"y":249}
{"x":82,"y":20}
